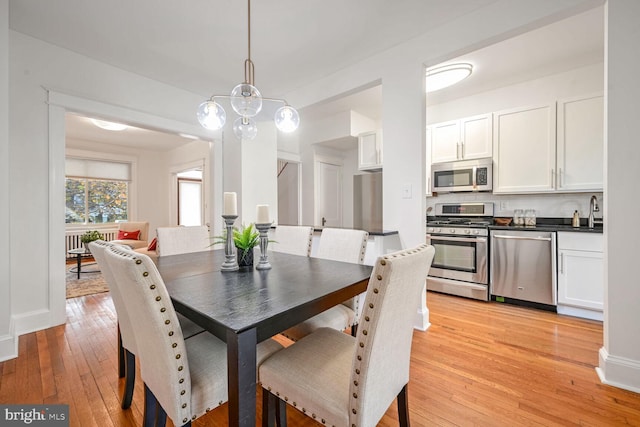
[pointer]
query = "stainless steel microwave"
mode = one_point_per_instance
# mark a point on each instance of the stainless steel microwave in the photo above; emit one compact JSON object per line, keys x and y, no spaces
{"x":463,"y":175}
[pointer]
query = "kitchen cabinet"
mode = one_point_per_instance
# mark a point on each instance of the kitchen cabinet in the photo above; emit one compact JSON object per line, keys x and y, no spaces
{"x":370,"y":150}
{"x":463,"y":139}
{"x":536,"y":151}
{"x":580,"y":147}
{"x":580,"y":274}
{"x":524,"y":149}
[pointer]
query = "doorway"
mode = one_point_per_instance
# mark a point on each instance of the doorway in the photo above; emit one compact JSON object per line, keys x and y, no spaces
{"x":329,"y":193}
{"x":190,"y":206}
{"x":289,"y":192}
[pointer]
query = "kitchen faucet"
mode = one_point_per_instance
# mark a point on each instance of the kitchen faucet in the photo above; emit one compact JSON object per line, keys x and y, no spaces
{"x":593,"y":207}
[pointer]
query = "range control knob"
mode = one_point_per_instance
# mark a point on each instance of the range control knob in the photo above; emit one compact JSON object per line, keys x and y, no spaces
{"x":476,"y":231}
{"x":452,"y":230}
{"x":467,"y":231}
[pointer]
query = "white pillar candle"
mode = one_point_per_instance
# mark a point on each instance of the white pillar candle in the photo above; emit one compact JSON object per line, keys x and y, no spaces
{"x":262,"y":214}
{"x":230,"y":204}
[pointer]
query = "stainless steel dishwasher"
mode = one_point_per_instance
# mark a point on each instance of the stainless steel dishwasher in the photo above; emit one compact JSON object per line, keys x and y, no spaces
{"x":523,"y":266}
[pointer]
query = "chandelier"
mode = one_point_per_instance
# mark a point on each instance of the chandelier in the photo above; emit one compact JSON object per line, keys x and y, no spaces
{"x":246,"y":101}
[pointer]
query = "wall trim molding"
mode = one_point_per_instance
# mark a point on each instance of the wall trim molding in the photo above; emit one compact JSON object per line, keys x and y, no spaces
{"x":618,"y":371}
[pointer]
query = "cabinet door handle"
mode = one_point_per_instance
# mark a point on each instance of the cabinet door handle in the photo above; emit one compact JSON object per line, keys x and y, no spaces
{"x":561,"y":263}
{"x":560,"y":178}
{"x":461,"y":149}
{"x":553,"y":177}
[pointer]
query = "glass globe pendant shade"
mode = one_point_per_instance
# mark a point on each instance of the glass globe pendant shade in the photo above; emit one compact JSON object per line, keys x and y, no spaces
{"x":287,"y":119}
{"x":211,"y":115}
{"x":246,"y":100}
{"x":245,"y":128}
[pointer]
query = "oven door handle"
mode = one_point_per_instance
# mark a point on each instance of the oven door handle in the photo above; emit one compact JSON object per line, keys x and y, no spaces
{"x":544,"y":239}
{"x":458,"y":239}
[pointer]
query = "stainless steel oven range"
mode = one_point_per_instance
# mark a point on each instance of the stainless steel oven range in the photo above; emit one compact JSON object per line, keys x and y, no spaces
{"x":460,"y":233}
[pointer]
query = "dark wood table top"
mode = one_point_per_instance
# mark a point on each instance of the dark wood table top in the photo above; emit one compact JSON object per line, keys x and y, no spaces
{"x":294,"y":289}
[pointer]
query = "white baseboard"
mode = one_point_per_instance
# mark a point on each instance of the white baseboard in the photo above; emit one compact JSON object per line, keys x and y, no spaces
{"x":9,"y":344}
{"x":619,"y":371}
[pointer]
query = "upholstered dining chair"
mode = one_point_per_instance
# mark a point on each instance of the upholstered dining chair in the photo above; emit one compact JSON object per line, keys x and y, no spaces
{"x":134,"y":234}
{"x":292,"y":239}
{"x":182,"y":240}
{"x":340,"y":380}
{"x":339,"y":245}
{"x":127,"y":348}
{"x":183,"y":379}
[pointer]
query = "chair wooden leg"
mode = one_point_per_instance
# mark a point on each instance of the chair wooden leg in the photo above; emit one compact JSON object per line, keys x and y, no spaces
{"x":161,"y":416}
{"x":150,"y":404}
{"x":268,"y":406}
{"x":281,"y":412}
{"x":354,"y":330}
{"x":130,"y":378}
{"x":403,"y":407}
{"x":121,"y":361}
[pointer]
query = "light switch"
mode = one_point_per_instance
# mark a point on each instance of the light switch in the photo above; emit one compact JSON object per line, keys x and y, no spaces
{"x":406,"y":191}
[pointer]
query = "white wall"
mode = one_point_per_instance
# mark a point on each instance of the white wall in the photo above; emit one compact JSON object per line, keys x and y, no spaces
{"x":35,"y":160}
{"x":8,"y":345}
{"x":620,"y":356}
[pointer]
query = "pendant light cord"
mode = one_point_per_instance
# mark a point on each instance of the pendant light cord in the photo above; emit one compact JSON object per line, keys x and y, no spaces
{"x":248,"y":64}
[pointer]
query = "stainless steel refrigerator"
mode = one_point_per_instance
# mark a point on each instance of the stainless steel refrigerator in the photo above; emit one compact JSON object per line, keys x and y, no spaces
{"x":367,"y":201}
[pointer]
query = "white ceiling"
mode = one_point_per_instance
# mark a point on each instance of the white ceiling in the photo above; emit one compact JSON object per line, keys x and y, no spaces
{"x":197,"y":46}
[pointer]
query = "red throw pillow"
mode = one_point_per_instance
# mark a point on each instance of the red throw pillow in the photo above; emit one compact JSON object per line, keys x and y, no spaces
{"x":128,"y":235}
{"x":152,"y":245}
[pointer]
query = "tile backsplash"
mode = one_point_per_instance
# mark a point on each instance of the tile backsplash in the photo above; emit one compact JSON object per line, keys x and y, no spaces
{"x":545,"y":205}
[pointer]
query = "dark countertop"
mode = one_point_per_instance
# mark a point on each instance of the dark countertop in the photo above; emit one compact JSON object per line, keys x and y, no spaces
{"x":555,"y":224}
{"x":371,"y":232}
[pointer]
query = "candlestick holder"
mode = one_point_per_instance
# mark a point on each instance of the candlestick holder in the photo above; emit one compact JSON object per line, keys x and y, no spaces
{"x":231,"y":262}
{"x":264,"y":241}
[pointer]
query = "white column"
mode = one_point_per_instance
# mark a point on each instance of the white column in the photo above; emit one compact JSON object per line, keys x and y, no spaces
{"x":8,"y":344}
{"x":620,"y":355}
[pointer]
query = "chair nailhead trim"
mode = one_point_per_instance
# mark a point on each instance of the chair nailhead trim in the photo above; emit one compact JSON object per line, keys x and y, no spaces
{"x":184,"y":405}
{"x":323,"y":421}
{"x":375,"y":290}
{"x":359,"y":357}
{"x":383,"y":262}
{"x":182,"y":392}
{"x":174,"y":345}
{"x":367,"y":318}
{"x":358,"y":371}
{"x":379,"y":277}
{"x":304,"y":410}
{"x":370,"y":305}
{"x":181,"y":380}
{"x":145,"y":274}
{"x":355,"y":395}
{"x":286,"y":399}
{"x":170,"y":333}
{"x":354,"y":411}
{"x":166,"y":322}
{"x":193,"y":418}
{"x":158,"y":298}
{"x":295,"y":404}
{"x":152,"y":287}
{"x":355,"y":383}
{"x":163,"y":309}
{"x":180,"y":368}
{"x":364,"y":332}
{"x":184,"y":420}
{"x":178,"y":356}
{"x":313,"y":416}
{"x":138,"y":261}
{"x":361,"y":345}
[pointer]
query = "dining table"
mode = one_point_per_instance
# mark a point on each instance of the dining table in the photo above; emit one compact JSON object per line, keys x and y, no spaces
{"x":247,"y":306}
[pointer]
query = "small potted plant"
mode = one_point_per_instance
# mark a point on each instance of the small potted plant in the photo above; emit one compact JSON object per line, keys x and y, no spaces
{"x":89,"y":236}
{"x":245,"y":239}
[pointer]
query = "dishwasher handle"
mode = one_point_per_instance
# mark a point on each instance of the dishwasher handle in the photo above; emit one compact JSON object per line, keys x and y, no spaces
{"x":542,"y":239}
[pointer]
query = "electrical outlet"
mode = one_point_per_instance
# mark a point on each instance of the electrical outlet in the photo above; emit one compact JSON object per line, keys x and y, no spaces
{"x":504,"y":205}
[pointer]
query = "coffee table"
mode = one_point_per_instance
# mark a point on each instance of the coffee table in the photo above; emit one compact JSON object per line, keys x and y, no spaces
{"x":79,"y":253}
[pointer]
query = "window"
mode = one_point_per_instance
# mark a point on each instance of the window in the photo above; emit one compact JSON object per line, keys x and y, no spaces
{"x":190,"y":198}
{"x":96,"y":191}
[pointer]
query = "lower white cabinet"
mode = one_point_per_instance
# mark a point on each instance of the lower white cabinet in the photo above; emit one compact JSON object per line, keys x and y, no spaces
{"x":580,"y":275}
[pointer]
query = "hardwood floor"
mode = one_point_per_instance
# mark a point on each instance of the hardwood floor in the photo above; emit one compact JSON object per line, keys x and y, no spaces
{"x":479,"y":364}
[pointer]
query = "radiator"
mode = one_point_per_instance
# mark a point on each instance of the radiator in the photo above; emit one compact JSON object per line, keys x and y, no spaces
{"x":72,"y":238}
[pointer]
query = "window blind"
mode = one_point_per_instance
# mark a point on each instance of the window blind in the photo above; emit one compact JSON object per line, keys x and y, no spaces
{"x":97,"y":169}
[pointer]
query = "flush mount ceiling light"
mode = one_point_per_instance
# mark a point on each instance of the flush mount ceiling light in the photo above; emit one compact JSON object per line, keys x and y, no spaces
{"x":447,"y":75}
{"x":246,"y":101}
{"x":108,"y":125}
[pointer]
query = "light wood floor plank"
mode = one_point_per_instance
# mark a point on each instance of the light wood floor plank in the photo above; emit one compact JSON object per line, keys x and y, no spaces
{"x":479,"y":364}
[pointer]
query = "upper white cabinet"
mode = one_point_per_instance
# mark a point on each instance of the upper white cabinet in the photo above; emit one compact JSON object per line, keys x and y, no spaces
{"x":580,"y":143}
{"x":524,"y":149}
{"x":580,"y":274}
{"x":463,"y":139}
{"x":553,"y":147}
{"x":370,"y":150}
